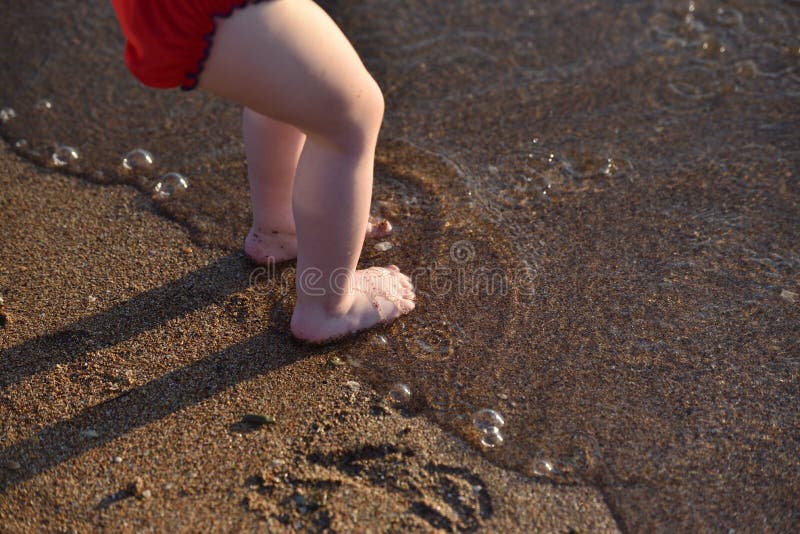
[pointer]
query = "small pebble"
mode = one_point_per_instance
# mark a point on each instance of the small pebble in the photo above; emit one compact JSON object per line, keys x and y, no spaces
{"x":352,"y":385}
{"x":117,"y":460}
{"x":277,"y":463}
{"x":789,"y":296}
{"x":90,"y":433}
{"x":379,"y":410}
{"x":336,"y":361}
{"x":187,"y":250}
{"x":257,"y":420}
{"x":11,"y":465}
{"x":146,"y":494}
{"x":136,"y":488}
{"x":383,"y":246}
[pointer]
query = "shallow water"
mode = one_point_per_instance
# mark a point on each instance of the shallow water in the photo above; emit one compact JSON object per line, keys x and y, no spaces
{"x":598,"y":200}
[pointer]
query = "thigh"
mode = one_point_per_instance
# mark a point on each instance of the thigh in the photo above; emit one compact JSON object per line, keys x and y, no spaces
{"x":288,"y":60}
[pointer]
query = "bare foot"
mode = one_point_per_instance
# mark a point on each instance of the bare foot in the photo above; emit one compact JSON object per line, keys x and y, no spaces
{"x":265,"y":247}
{"x":380,"y":295}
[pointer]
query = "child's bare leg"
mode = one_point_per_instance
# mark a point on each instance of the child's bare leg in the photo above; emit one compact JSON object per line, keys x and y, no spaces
{"x":305,"y":73}
{"x":273,"y":150}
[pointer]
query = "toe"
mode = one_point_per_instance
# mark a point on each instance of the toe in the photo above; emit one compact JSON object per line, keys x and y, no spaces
{"x":388,"y":309}
{"x":406,"y":286}
{"x":405,"y":306}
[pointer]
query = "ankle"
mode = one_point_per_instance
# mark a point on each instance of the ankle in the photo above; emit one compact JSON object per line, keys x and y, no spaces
{"x":325,"y":307}
{"x":266,"y":229}
{"x":312,"y":317}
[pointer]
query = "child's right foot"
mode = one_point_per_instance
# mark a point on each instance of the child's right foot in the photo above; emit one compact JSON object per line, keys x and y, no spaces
{"x":264,"y":248}
{"x":380,"y":295}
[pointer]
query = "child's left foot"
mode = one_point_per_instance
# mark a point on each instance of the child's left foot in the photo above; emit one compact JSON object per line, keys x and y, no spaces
{"x":268,"y":247}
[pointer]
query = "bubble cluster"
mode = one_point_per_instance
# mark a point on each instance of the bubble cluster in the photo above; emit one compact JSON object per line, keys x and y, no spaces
{"x":488,"y":423}
{"x":589,"y":165}
{"x":64,"y":155}
{"x":400,"y":394}
{"x":492,"y":438}
{"x":747,"y":49}
{"x":171,"y":184}
{"x":137,"y":159}
{"x":487,"y":418}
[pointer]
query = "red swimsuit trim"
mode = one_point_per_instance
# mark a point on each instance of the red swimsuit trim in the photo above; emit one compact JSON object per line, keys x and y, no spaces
{"x":169,"y":41}
{"x":193,"y":78}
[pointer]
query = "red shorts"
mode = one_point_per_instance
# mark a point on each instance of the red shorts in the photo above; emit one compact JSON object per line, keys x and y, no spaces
{"x":168,"y":41}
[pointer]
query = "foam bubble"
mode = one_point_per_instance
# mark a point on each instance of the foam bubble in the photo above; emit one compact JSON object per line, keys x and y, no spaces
{"x":694,"y":82}
{"x":434,"y":343}
{"x":746,"y":69}
{"x":170,"y":184}
{"x":727,"y":16}
{"x":771,"y":61}
{"x":487,"y":419}
{"x":379,"y":341}
{"x":137,"y":159}
{"x":544,"y":468}
{"x":6,"y":114}
{"x":400,"y":393}
{"x":43,"y":105}
{"x":64,"y":155}
{"x":492,"y":437}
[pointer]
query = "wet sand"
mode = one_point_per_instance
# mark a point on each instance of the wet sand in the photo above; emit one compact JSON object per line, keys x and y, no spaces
{"x":599,"y":202}
{"x":131,"y":353}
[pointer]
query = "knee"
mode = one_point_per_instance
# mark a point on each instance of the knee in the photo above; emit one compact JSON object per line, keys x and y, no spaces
{"x":374,"y":104}
{"x":361,"y":117}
